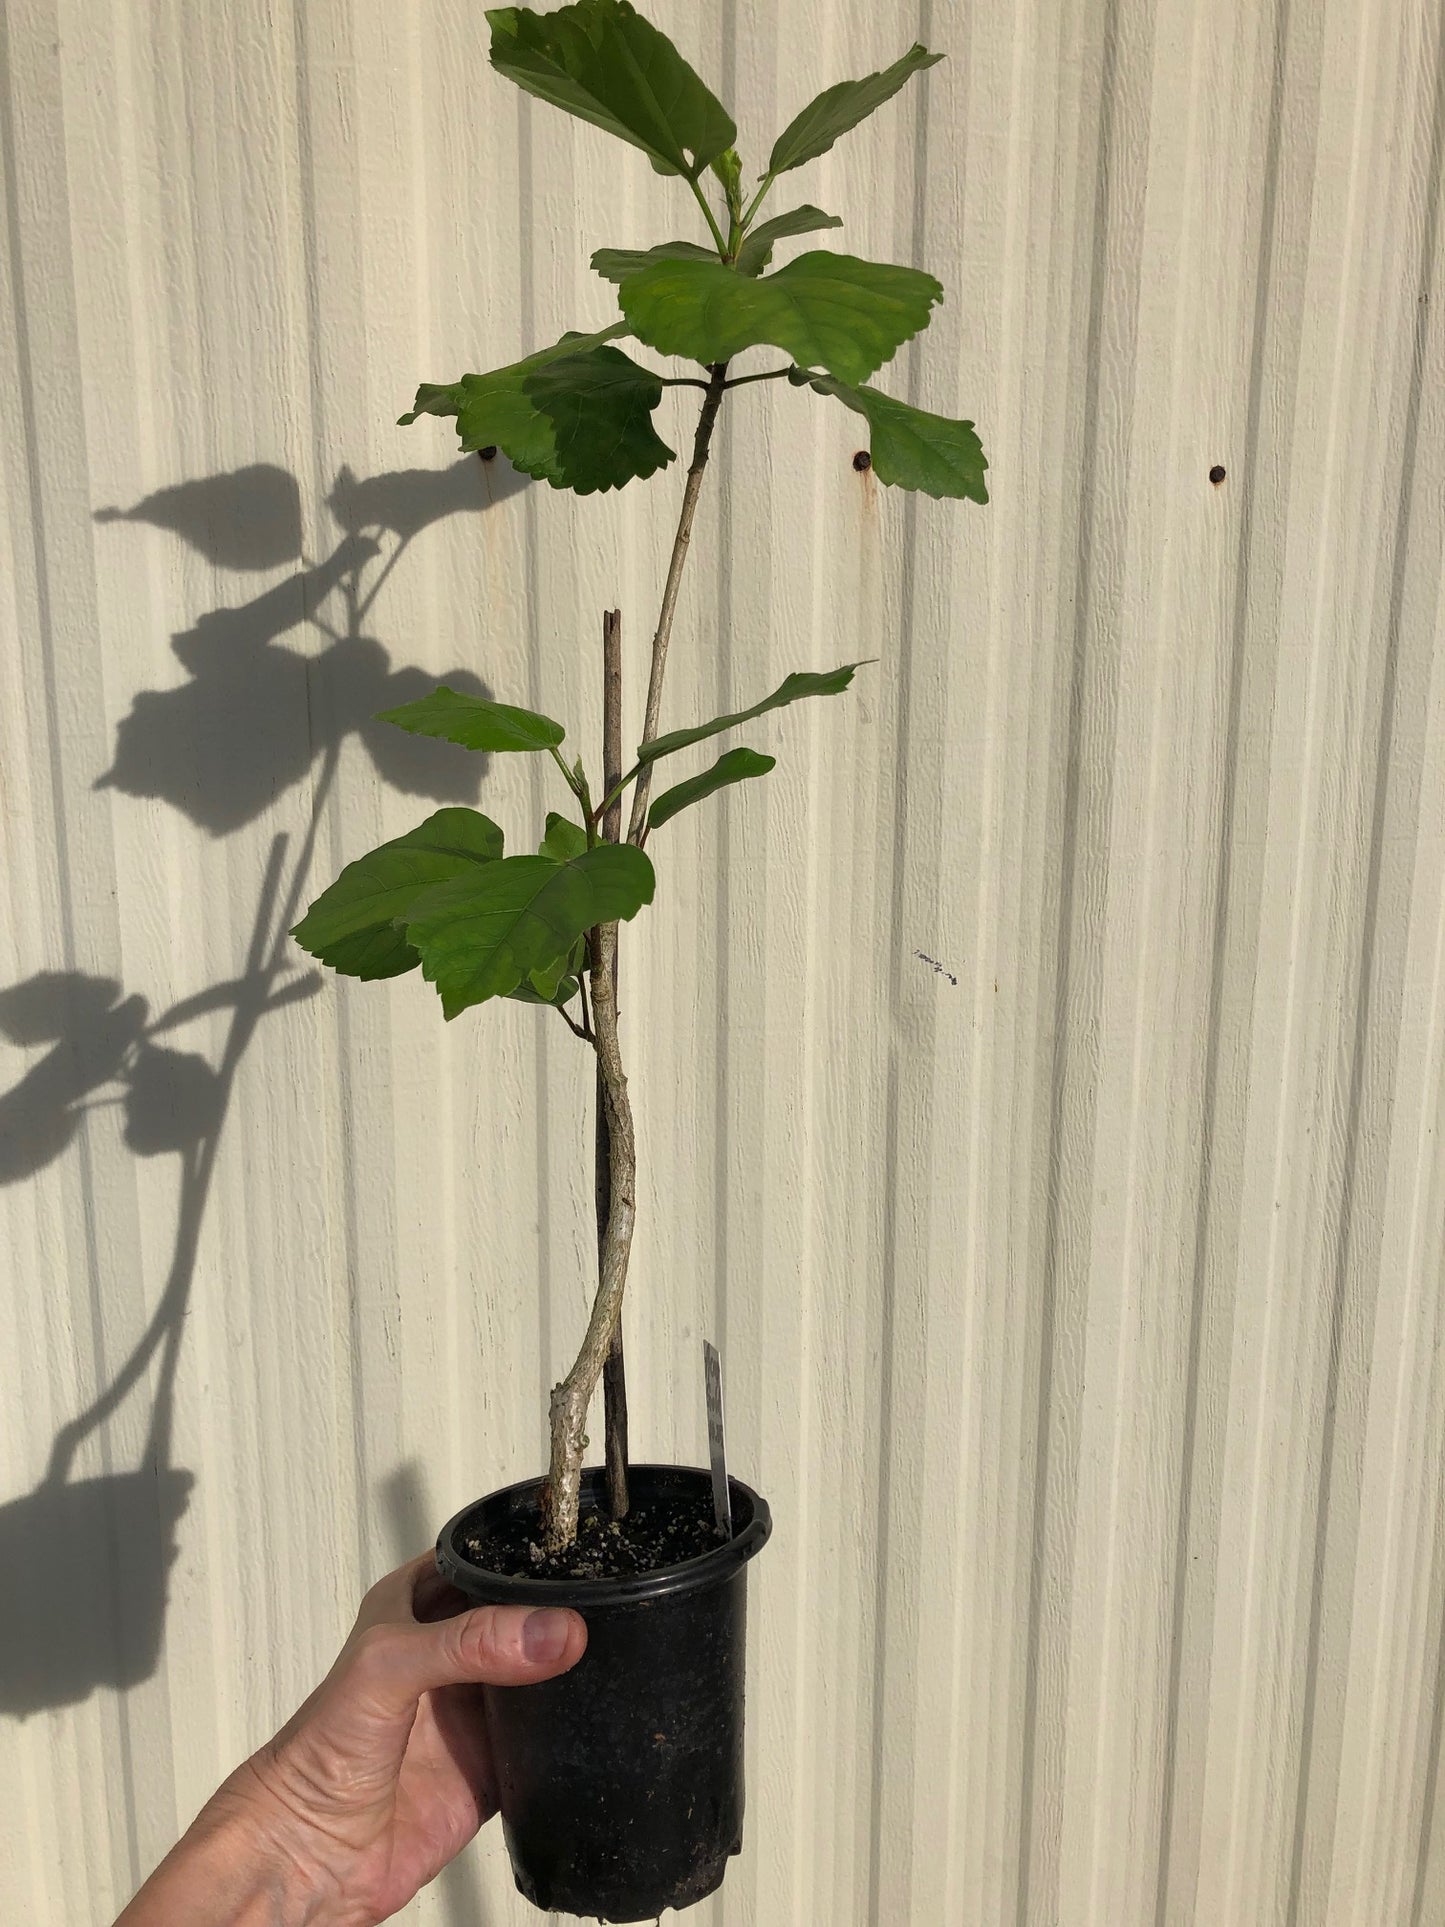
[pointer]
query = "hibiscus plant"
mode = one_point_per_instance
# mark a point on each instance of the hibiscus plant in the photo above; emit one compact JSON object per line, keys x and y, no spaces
{"x":542,"y":927}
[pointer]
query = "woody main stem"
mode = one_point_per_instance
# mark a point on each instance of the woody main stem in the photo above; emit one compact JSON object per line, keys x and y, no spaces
{"x":571,"y":1398}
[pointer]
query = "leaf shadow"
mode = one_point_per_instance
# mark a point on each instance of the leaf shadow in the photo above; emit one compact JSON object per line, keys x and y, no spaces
{"x":255,"y":715}
{"x":85,"y":1561}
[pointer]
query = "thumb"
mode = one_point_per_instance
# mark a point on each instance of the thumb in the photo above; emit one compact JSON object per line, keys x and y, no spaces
{"x":395,"y":1664}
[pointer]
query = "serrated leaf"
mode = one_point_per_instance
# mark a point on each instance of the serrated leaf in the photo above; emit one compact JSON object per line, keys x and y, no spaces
{"x":577,"y":415}
{"x":352,"y":925}
{"x":563,"y":838}
{"x":474,"y":722}
{"x":911,"y":448}
{"x":615,"y":264}
{"x":833,"y":310}
{"x":733,"y":766}
{"x":601,"y":61}
{"x":757,"y":249}
{"x":480,"y":935}
{"x":838,"y":109}
{"x":802,"y":682}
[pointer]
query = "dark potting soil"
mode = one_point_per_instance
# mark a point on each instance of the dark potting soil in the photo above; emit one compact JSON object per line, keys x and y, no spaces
{"x":653,"y":1535}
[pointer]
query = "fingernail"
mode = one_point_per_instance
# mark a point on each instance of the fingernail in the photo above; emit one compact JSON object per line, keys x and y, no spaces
{"x":545,"y":1633}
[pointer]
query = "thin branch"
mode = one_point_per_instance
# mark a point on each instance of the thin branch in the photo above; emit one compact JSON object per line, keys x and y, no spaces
{"x":614,"y":1370}
{"x":768,"y":374}
{"x":614,"y":795}
{"x":681,"y":381}
{"x":575,"y":1028}
{"x":663,"y":634}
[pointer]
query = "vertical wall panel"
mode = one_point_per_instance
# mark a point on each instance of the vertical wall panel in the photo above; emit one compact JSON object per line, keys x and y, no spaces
{"x":1039,"y":1077}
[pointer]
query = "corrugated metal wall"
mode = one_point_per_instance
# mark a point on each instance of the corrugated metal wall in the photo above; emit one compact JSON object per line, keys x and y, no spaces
{"x":1081,"y":1299}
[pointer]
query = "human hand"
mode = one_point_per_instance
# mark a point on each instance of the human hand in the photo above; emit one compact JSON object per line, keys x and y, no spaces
{"x":380,"y":1778}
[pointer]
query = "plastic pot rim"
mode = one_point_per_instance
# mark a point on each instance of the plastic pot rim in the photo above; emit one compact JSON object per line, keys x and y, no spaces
{"x":705,"y":1569}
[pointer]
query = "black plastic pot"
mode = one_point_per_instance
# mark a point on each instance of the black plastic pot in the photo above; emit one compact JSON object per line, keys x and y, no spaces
{"x":621,"y":1782}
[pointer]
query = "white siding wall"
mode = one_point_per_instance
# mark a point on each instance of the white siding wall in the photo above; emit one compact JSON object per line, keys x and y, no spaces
{"x":1081,"y":1306}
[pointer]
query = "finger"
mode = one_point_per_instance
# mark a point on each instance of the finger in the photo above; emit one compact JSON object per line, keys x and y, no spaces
{"x":392,"y":1595}
{"x":393,"y":1665}
{"x":435,"y":1597}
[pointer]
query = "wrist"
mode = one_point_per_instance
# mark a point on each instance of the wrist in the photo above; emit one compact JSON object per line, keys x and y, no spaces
{"x":232,"y":1868}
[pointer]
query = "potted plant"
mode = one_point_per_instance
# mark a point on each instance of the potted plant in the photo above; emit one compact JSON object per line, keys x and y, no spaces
{"x":621,"y":1783}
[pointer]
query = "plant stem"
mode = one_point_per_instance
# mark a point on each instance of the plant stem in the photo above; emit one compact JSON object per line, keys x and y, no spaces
{"x":701,"y":199}
{"x":562,"y":1492}
{"x":570,"y":1399}
{"x":712,"y":401}
{"x":614,"y":1372}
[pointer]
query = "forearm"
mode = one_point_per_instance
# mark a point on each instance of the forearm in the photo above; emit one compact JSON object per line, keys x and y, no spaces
{"x":230,"y":1868}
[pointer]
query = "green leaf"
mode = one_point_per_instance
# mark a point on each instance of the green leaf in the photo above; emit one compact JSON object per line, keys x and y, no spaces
{"x":547,"y":978}
{"x":564,"y":838}
{"x":556,"y":983}
{"x":474,"y":723}
{"x":757,"y":249}
{"x":802,"y":682}
{"x":911,"y":448}
{"x":833,"y":309}
{"x":601,"y":61}
{"x":577,"y":415}
{"x":615,"y":264}
{"x":479,"y":935}
{"x":840,"y":108}
{"x":352,"y":925}
{"x":733,"y":766}
{"x":528,"y":992}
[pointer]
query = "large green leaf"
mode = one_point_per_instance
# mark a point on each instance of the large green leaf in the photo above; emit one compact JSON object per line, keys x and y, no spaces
{"x":757,"y":250}
{"x":802,"y":682}
{"x":474,"y":722}
{"x":615,"y":264}
{"x":840,"y":108}
{"x":829,"y":309}
{"x":910,"y":447}
{"x":480,"y":935}
{"x":601,"y":61}
{"x":733,"y":766}
{"x":577,"y":415}
{"x":352,"y":925}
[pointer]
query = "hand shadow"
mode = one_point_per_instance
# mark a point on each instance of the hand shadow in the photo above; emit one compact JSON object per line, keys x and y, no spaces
{"x":85,"y":1562}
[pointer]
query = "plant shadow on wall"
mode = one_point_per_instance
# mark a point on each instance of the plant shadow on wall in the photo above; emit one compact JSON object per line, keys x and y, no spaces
{"x":221,"y":746}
